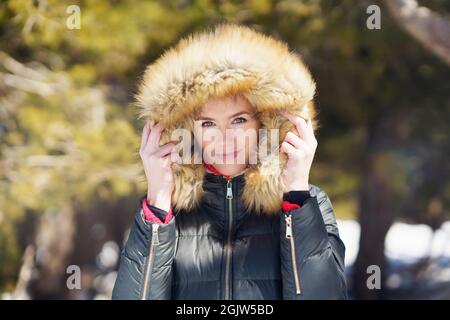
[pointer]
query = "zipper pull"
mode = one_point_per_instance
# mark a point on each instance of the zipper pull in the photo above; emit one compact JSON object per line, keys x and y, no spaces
{"x":229,"y":190}
{"x":155,"y":233}
{"x":288,"y":226}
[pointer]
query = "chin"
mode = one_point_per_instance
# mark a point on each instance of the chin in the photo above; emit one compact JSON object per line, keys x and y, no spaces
{"x":229,"y":169}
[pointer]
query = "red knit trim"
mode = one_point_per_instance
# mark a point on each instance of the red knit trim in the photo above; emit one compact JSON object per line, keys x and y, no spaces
{"x":288,"y":206}
{"x":150,"y":216}
{"x":211,"y":168}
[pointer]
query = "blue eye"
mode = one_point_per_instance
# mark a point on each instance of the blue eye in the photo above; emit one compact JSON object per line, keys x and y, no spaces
{"x":240,"y":120}
{"x":207,"y":124}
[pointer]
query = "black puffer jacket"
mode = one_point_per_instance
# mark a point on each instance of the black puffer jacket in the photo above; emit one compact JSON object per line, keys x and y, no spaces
{"x":239,"y":247}
{"x":221,"y":251}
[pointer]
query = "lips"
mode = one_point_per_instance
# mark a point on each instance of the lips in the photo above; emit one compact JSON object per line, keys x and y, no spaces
{"x":228,"y":155}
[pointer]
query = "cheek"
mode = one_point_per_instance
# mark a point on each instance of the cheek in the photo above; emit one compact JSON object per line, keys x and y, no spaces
{"x":252,"y":143}
{"x":254,"y":139}
{"x":206,"y":138}
{"x":199,"y":134}
{"x":198,"y":138}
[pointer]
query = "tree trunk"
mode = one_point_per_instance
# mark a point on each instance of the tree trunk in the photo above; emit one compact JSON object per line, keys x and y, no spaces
{"x":377,"y":206}
{"x":375,"y":218}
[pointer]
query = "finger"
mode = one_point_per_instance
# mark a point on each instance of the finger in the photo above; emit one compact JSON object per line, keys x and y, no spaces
{"x":170,"y":158}
{"x":287,"y":148}
{"x":310,"y":127}
{"x":295,"y":121}
{"x":297,"y":142}
{"x":155,"y":136}
{"x":175,"y":157}
{"x":302,"y":127}
{"x":293,"y":139}
{"x":166,"y":163}
{"x":314,"y":143}
{"x":164,"y":150}
{"x":145,"y":134}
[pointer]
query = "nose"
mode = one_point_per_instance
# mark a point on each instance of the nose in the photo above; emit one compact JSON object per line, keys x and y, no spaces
{"x":228,"y":139}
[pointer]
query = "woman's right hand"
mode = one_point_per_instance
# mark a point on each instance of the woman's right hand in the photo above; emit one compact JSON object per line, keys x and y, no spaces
{"x":157,"y":162}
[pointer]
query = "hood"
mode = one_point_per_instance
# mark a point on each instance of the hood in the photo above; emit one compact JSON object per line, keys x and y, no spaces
{"x":225,"y":60}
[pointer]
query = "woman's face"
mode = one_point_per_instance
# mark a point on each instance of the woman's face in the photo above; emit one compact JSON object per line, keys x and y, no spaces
{"x":227,"y":131}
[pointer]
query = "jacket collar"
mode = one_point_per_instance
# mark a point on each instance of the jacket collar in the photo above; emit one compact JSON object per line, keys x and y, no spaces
{"x":211,"y":169}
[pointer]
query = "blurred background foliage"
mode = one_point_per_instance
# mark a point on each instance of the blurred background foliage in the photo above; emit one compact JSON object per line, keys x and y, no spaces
{"x":70,"y":173}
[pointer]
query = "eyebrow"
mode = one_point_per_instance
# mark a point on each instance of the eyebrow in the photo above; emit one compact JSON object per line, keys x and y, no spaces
{"x":232,"y":116}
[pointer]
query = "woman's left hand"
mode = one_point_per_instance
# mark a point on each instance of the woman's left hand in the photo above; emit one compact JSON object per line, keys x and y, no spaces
{"x":300,"y":147}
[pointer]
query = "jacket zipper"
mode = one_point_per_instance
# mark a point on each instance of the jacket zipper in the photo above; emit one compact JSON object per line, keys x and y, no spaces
{"x":290,"y":236}
{"x":229,"y":197}
{"x":149,"y":261}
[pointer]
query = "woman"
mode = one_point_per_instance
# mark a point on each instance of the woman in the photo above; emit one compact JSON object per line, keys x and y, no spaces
{"x":232,"y":225}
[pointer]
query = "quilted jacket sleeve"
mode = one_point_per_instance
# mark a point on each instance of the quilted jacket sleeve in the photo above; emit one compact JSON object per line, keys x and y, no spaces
{"x":312,"y":253}
{"x":145,"y":267}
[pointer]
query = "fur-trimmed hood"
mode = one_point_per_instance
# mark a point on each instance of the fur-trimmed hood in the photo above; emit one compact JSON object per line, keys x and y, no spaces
{"x":228,"y":59}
